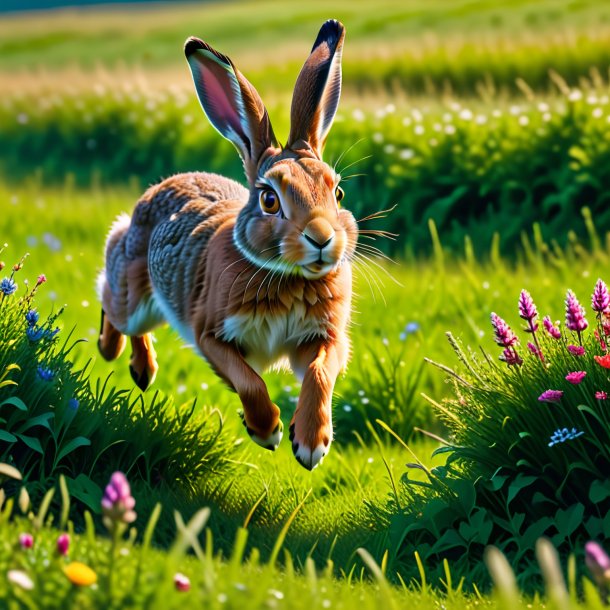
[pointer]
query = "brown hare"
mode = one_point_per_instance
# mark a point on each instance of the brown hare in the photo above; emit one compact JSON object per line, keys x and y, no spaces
{"x":248,"y":277}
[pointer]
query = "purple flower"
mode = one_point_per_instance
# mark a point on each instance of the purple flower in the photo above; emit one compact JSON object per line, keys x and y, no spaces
{"x":576,"y":350}
{"x":562,"y":435}
{"x":600,"y":300}
{"x":31,"y":317}
{"x":550,"y":396}
{"x":575,"y":314}
{"x":26,"y":541}
{"x":550,"y":328}
{"x":528,"y":311}
{"x":601,"y":395}
{"x":7,"y":286}
{"x":511,"y":357}
{"x":598,"y":563}
{"x":63,"y":544}
{"x":503,"y":335}
{"x":576,"y":377}
{"x":535,"y":350}
{"x":45,"y":374}
{"x":118,"y":503}
{"x":73,"y":404}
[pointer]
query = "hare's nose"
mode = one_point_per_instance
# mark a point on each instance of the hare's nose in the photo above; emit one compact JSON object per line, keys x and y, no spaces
{"x":319,"y":233}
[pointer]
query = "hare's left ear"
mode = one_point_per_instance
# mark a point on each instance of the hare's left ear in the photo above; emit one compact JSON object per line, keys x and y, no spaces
{"x":317,"y":90}
{"x":231,"y":103}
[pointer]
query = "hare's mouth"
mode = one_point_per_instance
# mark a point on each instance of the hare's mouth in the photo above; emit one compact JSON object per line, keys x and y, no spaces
{"x":314,"y":271}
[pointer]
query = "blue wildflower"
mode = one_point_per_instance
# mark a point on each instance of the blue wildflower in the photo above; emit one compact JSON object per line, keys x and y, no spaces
{"x":411,"y":327}
{"x":34,"y":333}
{"x":50,"y":334}
{"x":31,"y":317}
{"x":561,"y":435}
{"x":73,"y":404}
{"x":8,"y":286}
{"x":45,"y":374}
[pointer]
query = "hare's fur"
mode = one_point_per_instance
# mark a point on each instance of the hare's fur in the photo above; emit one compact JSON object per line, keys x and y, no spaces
{"x":246,"y":288}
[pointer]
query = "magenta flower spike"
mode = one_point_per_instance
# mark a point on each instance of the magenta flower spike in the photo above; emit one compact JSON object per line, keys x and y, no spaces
{"x":551,"y":396}
{"x":503,"y":335}
{"x":535,"y":350}
{"x":601,"y":395}
{"x":26,"y":541}
{"x":551,"y":328}
{"x":528,"y":311}
{"x":575,"y":314}
{"x":63,"y":544}
{"x":598,"y":563}
{"x":118,"y":503}
{"x":576,"y":350}
{"x":511,"y":357}
{"x":600,"y":300}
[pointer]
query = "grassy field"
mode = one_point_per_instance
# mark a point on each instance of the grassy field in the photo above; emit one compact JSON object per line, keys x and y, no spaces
{"x":485,"y":123}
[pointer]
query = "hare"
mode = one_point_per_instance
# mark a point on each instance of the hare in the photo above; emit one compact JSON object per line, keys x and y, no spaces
{"x":247,"y":276}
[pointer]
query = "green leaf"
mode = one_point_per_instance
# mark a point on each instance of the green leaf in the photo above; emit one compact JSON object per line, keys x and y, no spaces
{"x":32,"y":442}
{"x":451,"y":539}
{"x":39,"y":420}
{"x":7,"y":437}
{"x":599,"y":490}
{"x":86,"y":491}
{"x":569,"y":519}
{"x":14,"y":401}
{"x":69,"y":447}
{"x":519,"y":484}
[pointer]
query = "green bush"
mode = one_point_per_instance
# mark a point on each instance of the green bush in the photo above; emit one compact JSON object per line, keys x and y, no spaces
{"x":52,"y":421}
{"x":527,"y":451}
{"x":473,"y":169}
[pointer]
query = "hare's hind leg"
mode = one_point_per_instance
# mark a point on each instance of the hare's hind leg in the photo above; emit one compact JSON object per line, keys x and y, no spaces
{"x":111,"y":342}
{"x":143,"y":363}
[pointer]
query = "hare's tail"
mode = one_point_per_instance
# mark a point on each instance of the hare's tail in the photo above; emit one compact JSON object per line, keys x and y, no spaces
{"x":128,"y":307}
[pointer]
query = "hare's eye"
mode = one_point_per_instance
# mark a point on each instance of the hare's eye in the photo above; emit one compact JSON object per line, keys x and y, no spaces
{"x":339,"y":194}
{"x":269,"y":201}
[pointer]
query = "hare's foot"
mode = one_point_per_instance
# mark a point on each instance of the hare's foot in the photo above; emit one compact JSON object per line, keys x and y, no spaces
{"x":311,"y":438}
{"x":143,"y":364}
{"x":111,"y":342}
{"x":269,"y":441}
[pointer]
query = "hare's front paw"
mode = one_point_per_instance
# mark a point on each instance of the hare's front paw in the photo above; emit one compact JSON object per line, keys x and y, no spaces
{"x":271,"y":441}
{"x":310,"y":442}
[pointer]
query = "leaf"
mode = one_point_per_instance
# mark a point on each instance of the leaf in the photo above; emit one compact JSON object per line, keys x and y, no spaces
{"x":39,"y":420}
{"x":599,"y":490}
{"x":451,"y":539}
{"x":86,"y":491}
{"x":518,"y":485}
{"x":32,"y":442}
{"x":75,"y":443}
{"x":7,"y":437}
{"x":14,"y":401}
{"x":568,"y":520}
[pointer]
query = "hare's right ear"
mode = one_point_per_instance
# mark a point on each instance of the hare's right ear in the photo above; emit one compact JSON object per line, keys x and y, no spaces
{"x":230,"y":102}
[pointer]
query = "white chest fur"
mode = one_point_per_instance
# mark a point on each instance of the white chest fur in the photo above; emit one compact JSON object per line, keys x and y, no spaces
{"x":266,"y":339}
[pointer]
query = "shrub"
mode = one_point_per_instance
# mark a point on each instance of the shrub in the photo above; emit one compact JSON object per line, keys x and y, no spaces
{"x":528,"y":452}
{"x":52,"y":421}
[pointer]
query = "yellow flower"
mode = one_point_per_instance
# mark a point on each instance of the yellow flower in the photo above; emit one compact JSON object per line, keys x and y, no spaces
{"x":80,"y":574}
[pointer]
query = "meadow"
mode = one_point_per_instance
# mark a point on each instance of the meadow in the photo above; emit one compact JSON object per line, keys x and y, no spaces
{"x":489,"y":154}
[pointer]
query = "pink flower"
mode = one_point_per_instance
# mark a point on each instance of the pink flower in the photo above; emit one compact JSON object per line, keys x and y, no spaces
{"x":528,"y":311}
{"x":551,"y":329}
{"x":576,"y":377}
{"x":601,"y":395}
{"x":575,"y":314}
{"x":511,"y":357}
{"x":503,"y":335}
{"x":577,"y":350}
{"x":118,"y":503}
{"x":63,"y":544}
{"x":26,"y":541}
{"x":42,"y":278}
{"x":600,"y":301}
{"x":535,"y":350}
{"x":550,"y":396}
{"x":598,"y":563}
{"x":182,"y":582}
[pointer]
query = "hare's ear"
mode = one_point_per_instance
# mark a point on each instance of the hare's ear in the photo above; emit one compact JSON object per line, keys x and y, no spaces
{"x":317,"y":90}
{"x":230,"y":102}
